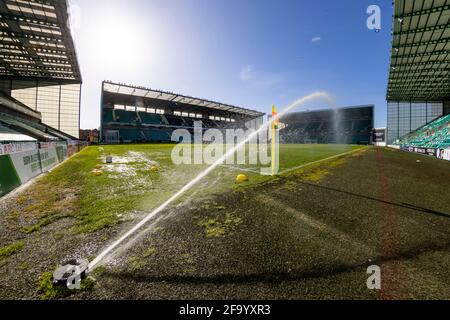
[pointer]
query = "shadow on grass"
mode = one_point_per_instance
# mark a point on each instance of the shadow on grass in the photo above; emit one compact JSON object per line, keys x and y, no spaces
{"x":269,"y":277}
{"x":400,"y":205}
{"x":315,"y":272}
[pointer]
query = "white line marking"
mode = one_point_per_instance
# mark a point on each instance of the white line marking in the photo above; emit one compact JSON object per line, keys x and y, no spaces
{"x":321,"y":160}
{"x":240,"y":169}
{"x":295,"y":168}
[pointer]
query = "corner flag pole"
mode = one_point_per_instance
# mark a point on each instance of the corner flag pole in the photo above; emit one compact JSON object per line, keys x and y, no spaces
{"x":274,"y":128}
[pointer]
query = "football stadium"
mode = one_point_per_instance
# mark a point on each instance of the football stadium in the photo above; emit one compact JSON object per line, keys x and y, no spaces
{"x":349,"y":209}
{"x":134,"y":114}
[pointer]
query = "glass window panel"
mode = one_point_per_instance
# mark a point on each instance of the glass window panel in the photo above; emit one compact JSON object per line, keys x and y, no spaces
{"x":435,"y":110}
{"x":25,"y":92}
{"x":70,"y":109}
{"x":392,"y":121}
{"x":418,"y":115}
{"x":404,"y":117}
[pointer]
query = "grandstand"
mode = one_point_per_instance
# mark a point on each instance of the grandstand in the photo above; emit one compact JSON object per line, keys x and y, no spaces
{"x":18,"y":119}
{"x":136,"y":114}
{"x":28,"y":147}
{"x":40,"y":86}
{"x":352,"y":125}
{"x":435,"y":135}
{"x":38,"y":61}
{"x":418,"y":91}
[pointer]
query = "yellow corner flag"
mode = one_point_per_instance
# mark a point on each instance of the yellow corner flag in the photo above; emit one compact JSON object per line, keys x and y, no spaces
{"x":275,"y":118}
{"x":274,"y":128}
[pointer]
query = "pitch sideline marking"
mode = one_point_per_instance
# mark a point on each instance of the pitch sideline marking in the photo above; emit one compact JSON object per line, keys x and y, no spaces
{"x":321,"y":160}
{"x":299,"y":167}
{"x":239,"y":169}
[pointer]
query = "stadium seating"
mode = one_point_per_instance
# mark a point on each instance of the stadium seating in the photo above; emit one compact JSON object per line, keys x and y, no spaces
{"x":138,"y":126}
{"x":158,"y":135}
{"x":33,"y":129}
{"x":189,"y":122}
{"x":434,"y":135}
{"x":131,"y":117}
{"x":108,"y":115}
{"x":362,"y":126}
{"x":150,"y":118}
{"x":207,"y":123}
{"x":144,"y":135}
{"x":126,"y":117}
{"x":322,"y":131}
{"x":6,"y":130}
{"x":175,"y":121}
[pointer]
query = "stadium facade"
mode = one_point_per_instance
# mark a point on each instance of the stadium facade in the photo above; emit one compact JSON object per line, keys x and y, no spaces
{"x":38,"y":62}
{"x":132,"y":114}
{"x":350,"y":125}
{"x":40,"y":86}
{"x":419,"y":81}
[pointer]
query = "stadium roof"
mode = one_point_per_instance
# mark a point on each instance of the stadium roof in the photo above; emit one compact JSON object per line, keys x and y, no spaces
{"x":9,"y":135}
{"x":176,"y":98}
{"x":35,"y":41}
{"x":420,"y":56}
{"x":369,"y":107}
{"x":35,"y":130}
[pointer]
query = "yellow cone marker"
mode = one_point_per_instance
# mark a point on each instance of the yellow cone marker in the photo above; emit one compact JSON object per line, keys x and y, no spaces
{"x":242,"y":178}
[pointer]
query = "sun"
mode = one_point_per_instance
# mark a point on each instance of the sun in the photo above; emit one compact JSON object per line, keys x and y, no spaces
{"x":118,"y":43}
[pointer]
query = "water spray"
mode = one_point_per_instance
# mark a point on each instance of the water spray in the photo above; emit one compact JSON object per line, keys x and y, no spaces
{"x":110,"y":249}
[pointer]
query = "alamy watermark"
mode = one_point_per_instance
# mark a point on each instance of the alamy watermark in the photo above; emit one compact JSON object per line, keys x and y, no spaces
{"x":374,"y":280}
{"x":374,"y":19}
{"x":235,"y":147}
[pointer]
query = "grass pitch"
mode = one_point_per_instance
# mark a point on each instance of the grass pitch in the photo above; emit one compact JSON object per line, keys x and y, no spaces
{"x":128,"y":185}
{"x":310,"y":233}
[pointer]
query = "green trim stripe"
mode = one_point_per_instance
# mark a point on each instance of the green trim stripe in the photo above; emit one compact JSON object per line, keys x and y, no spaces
{"x":9,"y":178}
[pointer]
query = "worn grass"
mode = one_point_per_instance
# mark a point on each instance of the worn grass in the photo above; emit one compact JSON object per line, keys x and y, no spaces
{"x":95,"y":202}
{"x":48,"y":291}
{"x":11,"y":249}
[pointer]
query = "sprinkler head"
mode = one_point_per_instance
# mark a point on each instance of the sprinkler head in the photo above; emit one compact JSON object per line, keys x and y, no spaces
{"x":70,"y":272}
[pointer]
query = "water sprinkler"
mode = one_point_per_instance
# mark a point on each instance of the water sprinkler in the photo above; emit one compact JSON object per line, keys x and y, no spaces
{"x":112,"y":247}
{"x":70,"y":273}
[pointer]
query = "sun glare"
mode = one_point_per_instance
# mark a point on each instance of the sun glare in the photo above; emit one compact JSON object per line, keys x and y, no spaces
{"x":118,"y":43}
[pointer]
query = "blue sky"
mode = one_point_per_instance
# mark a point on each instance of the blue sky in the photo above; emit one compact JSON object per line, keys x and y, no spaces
{"x":250,"y":53}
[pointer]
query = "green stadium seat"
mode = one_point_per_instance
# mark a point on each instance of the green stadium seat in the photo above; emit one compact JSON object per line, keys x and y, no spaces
{"x":434,"y":135}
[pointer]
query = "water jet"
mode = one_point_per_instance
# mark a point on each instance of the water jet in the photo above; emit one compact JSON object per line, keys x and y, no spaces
{"x":112,"y":247}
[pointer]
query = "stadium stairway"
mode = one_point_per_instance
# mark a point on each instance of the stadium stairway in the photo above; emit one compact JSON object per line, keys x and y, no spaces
{"x":138,"y":117}
{"x":175,"y":121}
{"x":164,"y":119}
